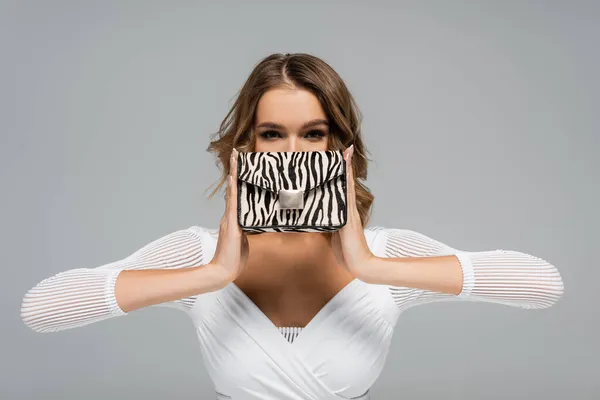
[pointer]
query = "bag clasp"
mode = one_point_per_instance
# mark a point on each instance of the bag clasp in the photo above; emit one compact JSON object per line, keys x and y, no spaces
{"x":291,"y":198}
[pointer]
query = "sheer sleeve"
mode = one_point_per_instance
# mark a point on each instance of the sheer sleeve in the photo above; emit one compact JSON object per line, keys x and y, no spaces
{"x":505,"y":277}
{"x":82,"y":296}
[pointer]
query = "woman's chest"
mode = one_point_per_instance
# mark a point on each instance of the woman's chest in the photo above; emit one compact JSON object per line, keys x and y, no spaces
{"x":296,"y":303}
{"x":339,"y":354}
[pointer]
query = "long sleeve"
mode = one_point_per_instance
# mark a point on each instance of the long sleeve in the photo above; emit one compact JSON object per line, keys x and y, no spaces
{"x":505,"y":277}
{"x":82,"y":296}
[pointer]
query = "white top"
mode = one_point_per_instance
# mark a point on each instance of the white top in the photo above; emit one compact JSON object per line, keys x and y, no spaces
{"x":342,"y":350}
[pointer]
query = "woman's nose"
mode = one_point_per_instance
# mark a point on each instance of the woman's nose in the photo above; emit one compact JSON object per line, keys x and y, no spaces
{"x":292,"y":144}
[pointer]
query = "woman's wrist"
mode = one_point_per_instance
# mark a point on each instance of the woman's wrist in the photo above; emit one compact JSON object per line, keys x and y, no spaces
{"x":212,"y":277}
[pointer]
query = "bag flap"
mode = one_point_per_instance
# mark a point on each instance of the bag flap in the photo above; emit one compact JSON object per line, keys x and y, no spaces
{"x":290,"y":170}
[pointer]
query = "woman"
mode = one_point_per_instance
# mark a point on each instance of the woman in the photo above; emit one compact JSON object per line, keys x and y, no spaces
{"x":292,"y":315}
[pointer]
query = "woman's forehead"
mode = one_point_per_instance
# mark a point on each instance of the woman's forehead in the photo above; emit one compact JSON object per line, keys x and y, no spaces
{"x":291,"y":108}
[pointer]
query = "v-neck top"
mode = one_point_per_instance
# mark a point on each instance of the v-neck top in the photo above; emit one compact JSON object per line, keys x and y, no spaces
{"x":341,"y":351}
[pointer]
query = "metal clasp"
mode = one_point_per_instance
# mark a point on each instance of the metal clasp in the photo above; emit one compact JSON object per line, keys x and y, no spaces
{"x":291,"y":199}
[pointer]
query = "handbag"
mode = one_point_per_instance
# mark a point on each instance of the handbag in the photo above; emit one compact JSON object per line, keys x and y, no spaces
{"x":291,"y":191}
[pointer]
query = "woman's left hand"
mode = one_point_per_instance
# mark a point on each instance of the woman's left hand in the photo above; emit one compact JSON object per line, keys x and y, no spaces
{"x":349,"y":243}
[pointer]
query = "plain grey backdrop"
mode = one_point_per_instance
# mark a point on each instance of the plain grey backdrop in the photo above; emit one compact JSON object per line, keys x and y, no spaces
{"x":481,"y":118}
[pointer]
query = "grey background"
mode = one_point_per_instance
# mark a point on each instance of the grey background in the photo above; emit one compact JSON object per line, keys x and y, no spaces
{"x":482,"y":119}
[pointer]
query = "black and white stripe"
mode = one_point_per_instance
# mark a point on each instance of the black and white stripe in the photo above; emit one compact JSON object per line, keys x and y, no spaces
{"x":320,"y":174}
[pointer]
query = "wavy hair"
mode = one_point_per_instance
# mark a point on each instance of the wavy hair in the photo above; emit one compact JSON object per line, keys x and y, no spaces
{"x":302,"y":71}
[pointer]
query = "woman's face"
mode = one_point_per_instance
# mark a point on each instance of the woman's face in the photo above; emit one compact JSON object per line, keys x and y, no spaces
{"x":290,"y":120}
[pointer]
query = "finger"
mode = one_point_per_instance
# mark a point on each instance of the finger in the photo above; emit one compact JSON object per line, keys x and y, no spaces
{"x":228,"y":196}
{"x":348,"y":157}
{"x":350,"y":178}
{"x":233,"y":199}
{"x":228,"y":187}
{"x":232,"y":159}
{"x":233,"y":190}
{"x":232,"y":168}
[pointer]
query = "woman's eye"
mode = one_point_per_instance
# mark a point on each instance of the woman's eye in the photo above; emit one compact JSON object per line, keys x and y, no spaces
{"x":315,"y":134}
{"x":269,"y":134}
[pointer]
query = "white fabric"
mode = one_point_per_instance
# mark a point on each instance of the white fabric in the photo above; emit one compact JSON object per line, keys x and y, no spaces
{"x":338,"y":355}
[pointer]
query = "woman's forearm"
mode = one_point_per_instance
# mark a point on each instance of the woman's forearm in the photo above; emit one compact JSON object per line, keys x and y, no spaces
{"x":442,"y":274}
{"x":136,"y":289}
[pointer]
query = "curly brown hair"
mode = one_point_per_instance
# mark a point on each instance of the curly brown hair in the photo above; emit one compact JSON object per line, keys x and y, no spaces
{"x":303,"y":71}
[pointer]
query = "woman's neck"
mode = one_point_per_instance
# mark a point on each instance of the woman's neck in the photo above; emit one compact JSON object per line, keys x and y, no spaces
{"x":290,"y":252}
{"x":303,"y":246}
{"x":286,"y":268}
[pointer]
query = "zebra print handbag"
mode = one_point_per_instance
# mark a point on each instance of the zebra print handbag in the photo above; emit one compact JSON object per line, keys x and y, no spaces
{"x":292,"y":191}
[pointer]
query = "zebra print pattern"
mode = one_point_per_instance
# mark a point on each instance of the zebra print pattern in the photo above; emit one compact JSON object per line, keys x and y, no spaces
{"x":320,"y":174}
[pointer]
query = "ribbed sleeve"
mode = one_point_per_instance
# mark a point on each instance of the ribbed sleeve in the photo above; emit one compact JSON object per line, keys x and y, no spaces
{"x":82,"y":296}
{"x":506,"y":277}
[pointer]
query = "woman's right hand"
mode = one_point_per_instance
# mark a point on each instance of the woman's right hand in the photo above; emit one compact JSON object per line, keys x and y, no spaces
{"x":231,"y":252}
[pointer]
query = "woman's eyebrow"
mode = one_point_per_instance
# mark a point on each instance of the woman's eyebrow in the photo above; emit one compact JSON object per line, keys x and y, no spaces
{"x":309,"y":124}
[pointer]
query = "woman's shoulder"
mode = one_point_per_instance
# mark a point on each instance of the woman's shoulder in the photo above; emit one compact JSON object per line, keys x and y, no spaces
{"x":207,"y":236}
{"x":381,"y":233}
{"x":378,"y":229}
{"x":202,"y":230}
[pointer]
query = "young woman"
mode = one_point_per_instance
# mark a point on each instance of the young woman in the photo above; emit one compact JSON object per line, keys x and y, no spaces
{"x":292,"y":315}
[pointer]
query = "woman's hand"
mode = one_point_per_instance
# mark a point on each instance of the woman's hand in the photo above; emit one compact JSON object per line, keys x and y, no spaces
{"x":349,"y":243}
{"x":231,"y":253}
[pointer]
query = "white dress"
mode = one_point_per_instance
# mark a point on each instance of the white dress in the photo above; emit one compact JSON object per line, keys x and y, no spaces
{"x":342,"y":350}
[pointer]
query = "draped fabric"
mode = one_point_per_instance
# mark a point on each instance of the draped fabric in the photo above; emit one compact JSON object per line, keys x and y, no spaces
{"x":338,"y":355}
